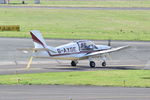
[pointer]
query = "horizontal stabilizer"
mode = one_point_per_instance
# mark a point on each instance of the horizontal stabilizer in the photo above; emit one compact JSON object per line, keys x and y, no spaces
{"x":36,"y":49}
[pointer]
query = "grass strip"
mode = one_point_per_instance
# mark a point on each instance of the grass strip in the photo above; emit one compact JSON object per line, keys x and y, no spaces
{"x":89,"y":3}
{"x":121,"y":78}
{"x":78,"y":24}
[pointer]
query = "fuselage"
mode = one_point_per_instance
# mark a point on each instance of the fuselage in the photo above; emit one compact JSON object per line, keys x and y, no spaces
{"x":75,"y":50}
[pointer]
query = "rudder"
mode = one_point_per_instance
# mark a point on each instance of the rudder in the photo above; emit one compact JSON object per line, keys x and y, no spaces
{"x":38,"y":39}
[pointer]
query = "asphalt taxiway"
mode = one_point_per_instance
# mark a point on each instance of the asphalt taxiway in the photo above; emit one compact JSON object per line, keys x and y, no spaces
{"x":59,"y":92}
{"x":13,"y":61}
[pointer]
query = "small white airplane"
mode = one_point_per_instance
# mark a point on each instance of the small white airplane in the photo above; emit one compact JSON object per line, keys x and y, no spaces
{"x":74,"y":51}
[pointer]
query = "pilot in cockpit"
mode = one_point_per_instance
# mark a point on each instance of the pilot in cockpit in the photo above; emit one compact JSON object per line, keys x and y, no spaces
{"x":87,"y":46}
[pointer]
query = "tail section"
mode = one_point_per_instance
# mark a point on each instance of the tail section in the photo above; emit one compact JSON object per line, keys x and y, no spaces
{"x":40,"y":43}
{"x":40,"y":47}
{"x":38,"y":39}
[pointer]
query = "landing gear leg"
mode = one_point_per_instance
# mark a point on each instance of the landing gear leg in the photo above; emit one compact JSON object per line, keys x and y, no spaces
{"x":92,"y":64}
{"x":74,"y":63}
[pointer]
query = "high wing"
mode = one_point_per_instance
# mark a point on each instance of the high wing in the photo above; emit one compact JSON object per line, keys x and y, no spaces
{"x":107,"y":51}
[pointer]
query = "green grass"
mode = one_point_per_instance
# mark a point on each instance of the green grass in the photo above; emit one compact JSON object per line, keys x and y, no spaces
{"x":78,"y":24}
{"x":127,"y":78}
{"x":91,"y":3}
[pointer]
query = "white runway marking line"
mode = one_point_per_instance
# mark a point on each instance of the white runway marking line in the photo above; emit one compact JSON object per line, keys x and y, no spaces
{"x":34,"y":68}
{"x":25,"y":62}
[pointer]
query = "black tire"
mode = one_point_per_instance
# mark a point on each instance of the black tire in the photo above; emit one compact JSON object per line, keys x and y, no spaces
{"x":92,"y":64}
{"x":104,"y":64}
{"x":73,"y":63}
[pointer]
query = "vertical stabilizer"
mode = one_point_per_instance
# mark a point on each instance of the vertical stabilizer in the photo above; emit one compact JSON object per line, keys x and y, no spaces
{"x":39,"y":42}
{"x":38,"y":39}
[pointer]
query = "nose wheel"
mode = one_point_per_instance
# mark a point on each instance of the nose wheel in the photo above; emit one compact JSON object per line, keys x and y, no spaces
{"x":92,"y":64}
{"x":104,"y":64}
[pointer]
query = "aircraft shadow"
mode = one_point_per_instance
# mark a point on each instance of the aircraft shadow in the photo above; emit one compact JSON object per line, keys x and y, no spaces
{"x":86,"y":68}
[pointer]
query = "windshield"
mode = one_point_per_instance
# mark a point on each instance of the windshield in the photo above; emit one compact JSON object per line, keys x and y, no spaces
{"x":86,"y":45}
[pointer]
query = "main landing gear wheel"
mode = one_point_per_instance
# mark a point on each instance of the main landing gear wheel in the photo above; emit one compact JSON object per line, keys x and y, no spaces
{"x":92,"y":64}
{"x":104,"y":64}
{"x":73,"y":63}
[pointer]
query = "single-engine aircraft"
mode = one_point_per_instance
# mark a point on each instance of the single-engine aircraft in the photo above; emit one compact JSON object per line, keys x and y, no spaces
{"x":74,"y":51}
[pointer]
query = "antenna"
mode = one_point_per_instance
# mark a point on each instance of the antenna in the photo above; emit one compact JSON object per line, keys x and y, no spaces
{"x":109,"y":42}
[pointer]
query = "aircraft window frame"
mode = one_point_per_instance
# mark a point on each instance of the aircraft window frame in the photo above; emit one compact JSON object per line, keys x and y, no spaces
{"x":86,"y":45}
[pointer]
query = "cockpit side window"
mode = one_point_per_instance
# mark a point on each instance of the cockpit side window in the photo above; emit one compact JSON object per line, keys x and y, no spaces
{"x":86,"y":46}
